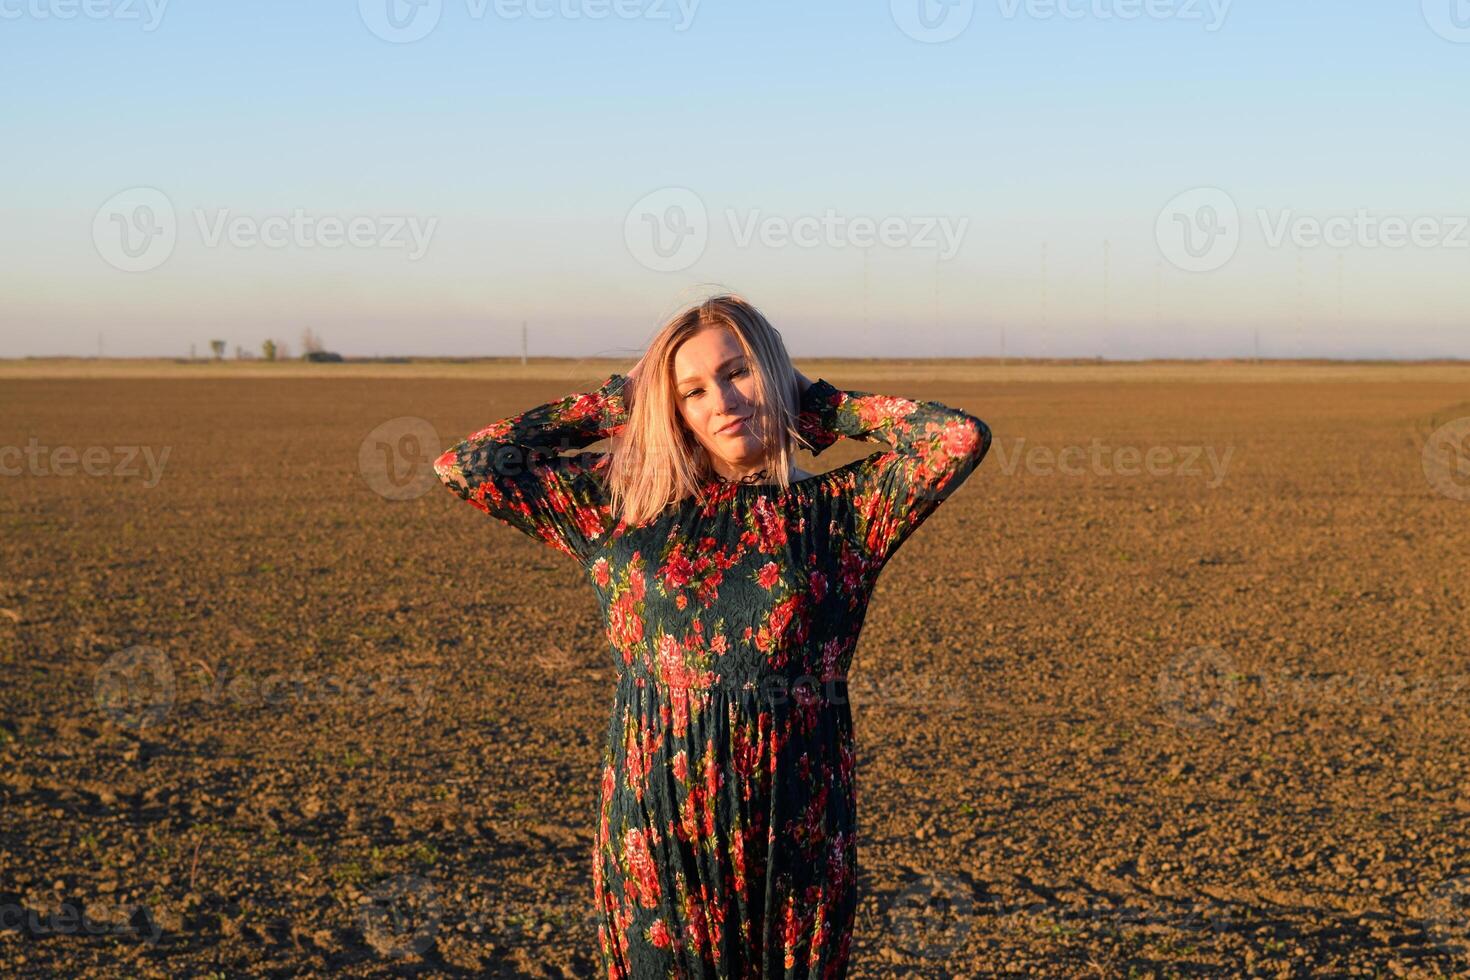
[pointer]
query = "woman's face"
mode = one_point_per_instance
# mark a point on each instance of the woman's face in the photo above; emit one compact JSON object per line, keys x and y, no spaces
{"x":714,"y":388}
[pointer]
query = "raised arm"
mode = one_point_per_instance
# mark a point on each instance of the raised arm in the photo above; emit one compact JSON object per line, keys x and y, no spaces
{"x":934,"y":449}
{"x":512,"y":469}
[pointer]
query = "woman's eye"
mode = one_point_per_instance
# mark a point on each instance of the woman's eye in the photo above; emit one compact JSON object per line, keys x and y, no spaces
{"x":734,"y":374}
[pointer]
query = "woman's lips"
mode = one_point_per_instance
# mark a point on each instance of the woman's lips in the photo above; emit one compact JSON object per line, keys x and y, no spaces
{"x":732,"y":427}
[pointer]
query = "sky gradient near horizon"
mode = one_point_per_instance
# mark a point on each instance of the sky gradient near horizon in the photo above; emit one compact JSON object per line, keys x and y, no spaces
{"x":1117,"y":178}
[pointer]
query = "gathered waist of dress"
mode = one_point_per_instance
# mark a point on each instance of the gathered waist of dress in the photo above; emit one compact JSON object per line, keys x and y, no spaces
{"x":803,"y":689}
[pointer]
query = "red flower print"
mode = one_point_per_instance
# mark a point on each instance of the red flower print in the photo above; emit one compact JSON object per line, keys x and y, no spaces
{"x":816,"y":586}
{"x":771,"y":525}
{"x":643,"y":884}
{"x":676,"y":571}
{"x":624,"y":625}
{"x":769,"y":575}
{"x":960,"y":438}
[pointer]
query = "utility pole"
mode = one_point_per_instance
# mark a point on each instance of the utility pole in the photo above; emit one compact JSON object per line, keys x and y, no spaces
{"x":1300,"y":311}
{"x":1339,"y":289}
{"x":1158,"y":292}
{"x":1044,"y":247}
{"x":936,"y":294}
{"x":523,"y":343}
{"x":867,"y":324}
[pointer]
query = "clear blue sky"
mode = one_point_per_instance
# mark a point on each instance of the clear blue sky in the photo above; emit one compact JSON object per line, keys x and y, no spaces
{"x":1049,"y":138}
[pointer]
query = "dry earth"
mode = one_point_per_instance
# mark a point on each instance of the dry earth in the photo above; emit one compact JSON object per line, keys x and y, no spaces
{"x":1177,"y":684}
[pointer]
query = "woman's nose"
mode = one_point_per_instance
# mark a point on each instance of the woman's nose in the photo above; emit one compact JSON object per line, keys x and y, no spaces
{"x":730,"y":400}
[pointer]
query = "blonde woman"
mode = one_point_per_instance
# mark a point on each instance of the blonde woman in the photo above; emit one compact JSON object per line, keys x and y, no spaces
{"x":733,"y":586}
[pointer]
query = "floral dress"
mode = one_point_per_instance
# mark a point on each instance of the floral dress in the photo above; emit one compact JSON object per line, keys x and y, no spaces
{"x":726,"y":839}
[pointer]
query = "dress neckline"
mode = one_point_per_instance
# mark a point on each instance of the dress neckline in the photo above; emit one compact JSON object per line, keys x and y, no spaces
{"x":719,"y":484}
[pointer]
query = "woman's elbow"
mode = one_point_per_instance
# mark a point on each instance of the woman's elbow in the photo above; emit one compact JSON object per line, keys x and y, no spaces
{"x":447,"y":467}
{"x":982,"y":438}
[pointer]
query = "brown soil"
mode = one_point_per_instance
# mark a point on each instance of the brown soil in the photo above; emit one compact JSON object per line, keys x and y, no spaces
{"x":259,"y":718}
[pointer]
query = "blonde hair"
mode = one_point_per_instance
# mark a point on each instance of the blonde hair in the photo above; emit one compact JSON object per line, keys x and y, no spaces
{"x":656,"y":461}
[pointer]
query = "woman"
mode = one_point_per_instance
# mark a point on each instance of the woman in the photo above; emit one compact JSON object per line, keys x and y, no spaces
{"x":734,"y":587}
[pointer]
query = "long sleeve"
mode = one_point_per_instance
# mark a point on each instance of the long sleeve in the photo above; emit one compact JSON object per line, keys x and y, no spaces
{"x":512,"y":470}
{"x":934,"y":449}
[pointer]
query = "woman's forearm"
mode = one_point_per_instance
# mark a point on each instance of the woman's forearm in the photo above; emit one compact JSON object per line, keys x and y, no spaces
{"x":939,"y":441}
{"x":570,"y":422}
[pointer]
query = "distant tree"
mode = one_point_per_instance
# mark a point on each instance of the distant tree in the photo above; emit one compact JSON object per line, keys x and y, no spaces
{"x":218,"y":346}
{"x":269,"y":350}
{"x":310,"y":342}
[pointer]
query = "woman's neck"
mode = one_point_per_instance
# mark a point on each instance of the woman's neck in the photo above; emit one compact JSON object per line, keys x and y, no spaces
{"x":754,"y":473}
